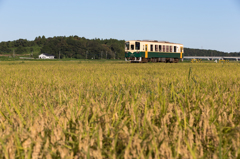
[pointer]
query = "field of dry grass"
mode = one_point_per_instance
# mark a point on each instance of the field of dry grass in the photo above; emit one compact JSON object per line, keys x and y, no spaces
{"x":119,"y":110}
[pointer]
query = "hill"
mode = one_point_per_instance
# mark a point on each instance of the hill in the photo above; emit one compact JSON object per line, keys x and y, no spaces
{"x":68,"y":47}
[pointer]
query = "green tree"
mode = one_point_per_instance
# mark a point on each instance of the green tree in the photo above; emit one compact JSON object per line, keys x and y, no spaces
{"x":20,"y":50}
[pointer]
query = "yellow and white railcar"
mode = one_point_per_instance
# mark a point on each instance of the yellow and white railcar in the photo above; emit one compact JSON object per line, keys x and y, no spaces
{"x":154,"y":51}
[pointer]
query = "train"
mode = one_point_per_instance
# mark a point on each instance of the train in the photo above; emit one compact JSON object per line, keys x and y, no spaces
{"x":143,"y":51}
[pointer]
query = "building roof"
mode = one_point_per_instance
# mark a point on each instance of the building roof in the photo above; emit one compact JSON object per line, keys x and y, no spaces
{"x":47,"y":54}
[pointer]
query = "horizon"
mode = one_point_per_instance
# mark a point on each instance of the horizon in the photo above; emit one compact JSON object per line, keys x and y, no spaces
{"x":199,"y":25}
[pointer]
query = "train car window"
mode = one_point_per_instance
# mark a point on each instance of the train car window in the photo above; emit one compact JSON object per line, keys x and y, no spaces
{"x":175,"y":48}
{"x":160,"y":48}
{"x":151,"y":47}
{"x":163,"y":48}
{"x":132,"y":47}
{"x":143,"y":47}
{"x":170,"y":48}
{"x":156,"y":48}
{"x":167,"y":48}
{"x":127,"y":45}
{"x":137,"y":45}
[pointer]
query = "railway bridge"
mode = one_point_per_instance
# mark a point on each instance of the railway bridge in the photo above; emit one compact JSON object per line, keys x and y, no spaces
{"x":213,"y":57}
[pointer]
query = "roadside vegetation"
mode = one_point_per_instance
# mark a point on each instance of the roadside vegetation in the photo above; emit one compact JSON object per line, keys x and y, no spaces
{"x":85,"y":109}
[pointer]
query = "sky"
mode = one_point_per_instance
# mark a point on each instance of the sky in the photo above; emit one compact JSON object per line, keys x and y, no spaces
{"x":202,"y":24}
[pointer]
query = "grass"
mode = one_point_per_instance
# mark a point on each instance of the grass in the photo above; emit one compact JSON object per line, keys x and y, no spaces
{"x":91,"y":109}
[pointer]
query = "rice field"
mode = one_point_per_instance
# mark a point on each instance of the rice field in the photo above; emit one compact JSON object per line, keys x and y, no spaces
{"x":75,"y":109}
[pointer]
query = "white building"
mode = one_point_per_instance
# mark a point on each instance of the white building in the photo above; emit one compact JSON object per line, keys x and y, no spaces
{"x":45,"y":56}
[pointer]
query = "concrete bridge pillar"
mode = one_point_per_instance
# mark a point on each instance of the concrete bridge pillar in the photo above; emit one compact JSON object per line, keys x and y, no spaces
{"x":236,"y":59}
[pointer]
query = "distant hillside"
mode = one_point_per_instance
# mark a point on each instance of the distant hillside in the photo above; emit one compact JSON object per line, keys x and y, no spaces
{"x":80,"y":47}
{"x":68,"y":47}
{"x":201,"y":52}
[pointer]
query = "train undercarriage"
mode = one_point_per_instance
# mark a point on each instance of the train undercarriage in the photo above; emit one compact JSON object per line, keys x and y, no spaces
{"x":153,"y":59}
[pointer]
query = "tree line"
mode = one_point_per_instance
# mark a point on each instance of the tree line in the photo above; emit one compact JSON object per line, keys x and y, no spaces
{"x":201,"y":52}
{"x":67,"y":47}
{"x":80,"y":47}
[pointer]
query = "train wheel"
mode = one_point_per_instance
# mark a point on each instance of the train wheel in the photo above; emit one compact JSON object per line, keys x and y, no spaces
{"x":176,"y":60}
{"x":146,"y":61}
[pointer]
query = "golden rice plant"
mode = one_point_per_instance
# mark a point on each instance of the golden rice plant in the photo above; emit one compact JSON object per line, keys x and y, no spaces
{"x":119,"y":110}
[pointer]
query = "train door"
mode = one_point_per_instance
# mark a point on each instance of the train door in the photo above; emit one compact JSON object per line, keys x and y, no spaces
{"x":146,"y":50}
{"x":181,"y":50}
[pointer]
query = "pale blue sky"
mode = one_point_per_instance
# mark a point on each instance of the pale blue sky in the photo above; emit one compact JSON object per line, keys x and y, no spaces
{"x":207,"y":24}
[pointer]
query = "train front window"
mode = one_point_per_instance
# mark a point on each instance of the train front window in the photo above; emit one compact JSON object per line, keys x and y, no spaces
{"x":132,"y":47}
{"x":127,"y":45}
{"x":137,"y":45}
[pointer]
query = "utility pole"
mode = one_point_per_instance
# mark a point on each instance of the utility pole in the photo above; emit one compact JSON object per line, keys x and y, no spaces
{"x":13,"y":53}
